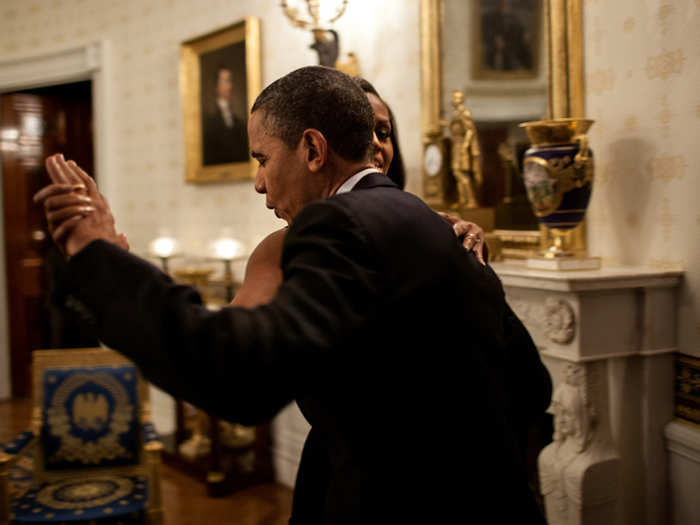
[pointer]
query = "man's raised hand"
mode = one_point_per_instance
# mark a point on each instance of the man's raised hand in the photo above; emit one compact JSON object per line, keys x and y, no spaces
{"x":76,"y":211}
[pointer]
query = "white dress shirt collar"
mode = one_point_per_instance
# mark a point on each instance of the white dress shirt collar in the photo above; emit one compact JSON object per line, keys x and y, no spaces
{"x":225,"y":111}
{"x":349,"y":184}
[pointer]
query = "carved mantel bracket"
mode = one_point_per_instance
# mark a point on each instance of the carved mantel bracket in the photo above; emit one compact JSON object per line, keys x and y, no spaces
{"x":607,"y":338}
{"x":579,"y":470}
{"x":555,"y":317}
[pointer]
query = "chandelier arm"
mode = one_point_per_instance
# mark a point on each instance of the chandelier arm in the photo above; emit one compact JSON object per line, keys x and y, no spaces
{"x":291,"y":14}
{"x":314,"y":10}
{"x":340,"y":12}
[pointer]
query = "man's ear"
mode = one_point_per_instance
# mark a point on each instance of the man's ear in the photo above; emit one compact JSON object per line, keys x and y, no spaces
{"x":315,"y":149}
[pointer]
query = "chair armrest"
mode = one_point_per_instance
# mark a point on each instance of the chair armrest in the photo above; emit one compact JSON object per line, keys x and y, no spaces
{"x":17,"y":445}
{"x":8,"y":456}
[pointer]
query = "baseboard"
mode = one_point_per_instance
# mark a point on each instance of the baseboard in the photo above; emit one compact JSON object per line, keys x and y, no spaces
{"x":683,"y":439}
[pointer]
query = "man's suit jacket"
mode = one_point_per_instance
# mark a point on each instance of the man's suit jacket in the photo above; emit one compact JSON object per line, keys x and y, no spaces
{"x":395,"y":342}
{"x":222,"y":144}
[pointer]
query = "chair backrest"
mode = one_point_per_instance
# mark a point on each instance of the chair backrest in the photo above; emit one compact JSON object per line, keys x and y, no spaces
{"x":87,"y":402}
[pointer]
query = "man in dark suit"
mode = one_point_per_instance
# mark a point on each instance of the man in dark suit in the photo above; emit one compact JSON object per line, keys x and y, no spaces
{"x":224,"y":138}
{"x":395,"y":342}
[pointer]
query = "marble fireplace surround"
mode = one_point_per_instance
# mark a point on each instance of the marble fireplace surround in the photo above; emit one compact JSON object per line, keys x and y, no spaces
{"x":607,"y":337}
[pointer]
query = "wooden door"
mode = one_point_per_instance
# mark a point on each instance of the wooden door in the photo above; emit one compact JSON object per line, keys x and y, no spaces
{"x":33,"y":125}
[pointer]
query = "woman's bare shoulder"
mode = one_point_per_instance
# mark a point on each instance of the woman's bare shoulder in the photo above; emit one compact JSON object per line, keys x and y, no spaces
{"x":263,"y":274}
{"x":268,"y":251}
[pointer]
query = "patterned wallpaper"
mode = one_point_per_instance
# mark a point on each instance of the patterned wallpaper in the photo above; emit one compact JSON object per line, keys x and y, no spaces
{"x":642,"y":77}
{"x":150,"y":195}
{"x":642,"y":74}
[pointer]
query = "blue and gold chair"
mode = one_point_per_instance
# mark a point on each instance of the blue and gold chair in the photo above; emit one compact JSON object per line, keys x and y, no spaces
{"x":92,"y":455}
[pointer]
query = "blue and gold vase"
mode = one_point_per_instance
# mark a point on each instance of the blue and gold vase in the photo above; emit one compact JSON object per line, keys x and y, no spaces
{"x":558,"y":175}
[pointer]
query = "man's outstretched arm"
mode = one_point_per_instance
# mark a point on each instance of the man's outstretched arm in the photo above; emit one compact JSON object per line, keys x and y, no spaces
{"x":241,"y":364}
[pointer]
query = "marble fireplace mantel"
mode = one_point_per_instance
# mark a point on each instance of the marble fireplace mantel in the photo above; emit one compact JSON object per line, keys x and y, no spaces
{"x":607,"y":337}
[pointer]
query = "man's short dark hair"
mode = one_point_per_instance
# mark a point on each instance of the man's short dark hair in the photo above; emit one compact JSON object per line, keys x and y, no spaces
{"x":324,"y":99}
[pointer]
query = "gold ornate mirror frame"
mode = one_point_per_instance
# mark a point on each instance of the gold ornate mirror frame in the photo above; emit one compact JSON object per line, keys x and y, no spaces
{"x":564,"y":54}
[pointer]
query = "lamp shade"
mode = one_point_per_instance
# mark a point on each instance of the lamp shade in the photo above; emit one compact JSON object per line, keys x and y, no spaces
{"x":227,"y":248}
{"x":163,"y":246}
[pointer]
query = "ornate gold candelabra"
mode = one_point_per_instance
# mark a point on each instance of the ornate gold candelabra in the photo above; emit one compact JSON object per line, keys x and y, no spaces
{"x":317,"y":17}
{"x":320,"y":14}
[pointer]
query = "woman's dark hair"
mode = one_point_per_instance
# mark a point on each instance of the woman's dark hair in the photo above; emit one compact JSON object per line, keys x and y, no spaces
{"x":397,"y":171}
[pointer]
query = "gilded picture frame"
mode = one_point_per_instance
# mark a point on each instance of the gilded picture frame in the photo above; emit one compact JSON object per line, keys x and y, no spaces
{"x":506,"y":36}
{"x":563,"y":62}
{"x":220,"y":77}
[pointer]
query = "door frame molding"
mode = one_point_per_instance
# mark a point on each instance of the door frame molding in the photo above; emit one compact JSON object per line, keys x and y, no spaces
{"x":89,"y":61}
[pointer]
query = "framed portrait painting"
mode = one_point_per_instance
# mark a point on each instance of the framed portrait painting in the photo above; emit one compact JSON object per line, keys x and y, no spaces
{"x":220,"y":77}
{"x":506,"y":38}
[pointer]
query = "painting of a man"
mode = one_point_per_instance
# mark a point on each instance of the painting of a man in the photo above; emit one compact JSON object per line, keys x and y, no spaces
{"x":223,"y":92}
{"x":508,"y":35}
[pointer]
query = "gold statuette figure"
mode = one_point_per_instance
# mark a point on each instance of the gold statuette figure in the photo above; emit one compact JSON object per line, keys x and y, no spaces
{"x":466,"y":155}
